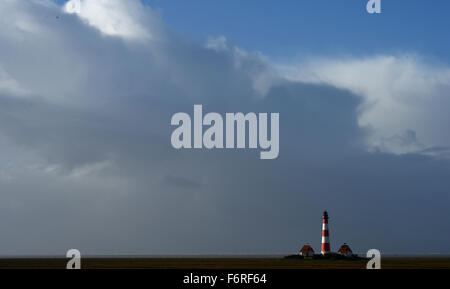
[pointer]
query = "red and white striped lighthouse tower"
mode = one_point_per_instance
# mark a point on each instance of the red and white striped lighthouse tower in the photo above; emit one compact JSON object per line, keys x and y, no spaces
{"x":325,"y":235}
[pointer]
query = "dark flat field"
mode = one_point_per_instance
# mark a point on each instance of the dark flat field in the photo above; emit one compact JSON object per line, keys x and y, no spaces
{"x":223,"y":263}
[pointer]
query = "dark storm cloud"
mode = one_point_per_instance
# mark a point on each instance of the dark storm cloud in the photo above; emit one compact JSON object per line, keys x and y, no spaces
{"x":85,"y":137}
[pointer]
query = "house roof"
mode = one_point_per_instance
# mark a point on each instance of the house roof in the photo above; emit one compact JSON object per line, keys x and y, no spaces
{"x":306,"y":248}
{"x":344,"y":249}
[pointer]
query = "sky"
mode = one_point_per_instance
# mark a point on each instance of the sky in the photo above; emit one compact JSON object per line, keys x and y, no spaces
{"x":295,"y":28}
{"x":88,"y":88}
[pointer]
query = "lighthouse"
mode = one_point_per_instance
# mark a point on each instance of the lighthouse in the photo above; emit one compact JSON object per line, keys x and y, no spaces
{"x":325,"y":234}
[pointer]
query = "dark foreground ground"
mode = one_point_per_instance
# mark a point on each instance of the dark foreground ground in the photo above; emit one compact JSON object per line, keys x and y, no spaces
{"x":223,"y":263}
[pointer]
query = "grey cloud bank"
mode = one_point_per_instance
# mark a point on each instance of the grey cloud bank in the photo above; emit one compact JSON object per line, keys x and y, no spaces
{"x":85,"y":108}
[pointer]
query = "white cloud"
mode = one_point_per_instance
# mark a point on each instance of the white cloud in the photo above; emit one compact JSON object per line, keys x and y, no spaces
{"x":405,"y":100}
{"x":127,"y":19}
{"x":218,"y":43}
{"x":254,"y":64}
